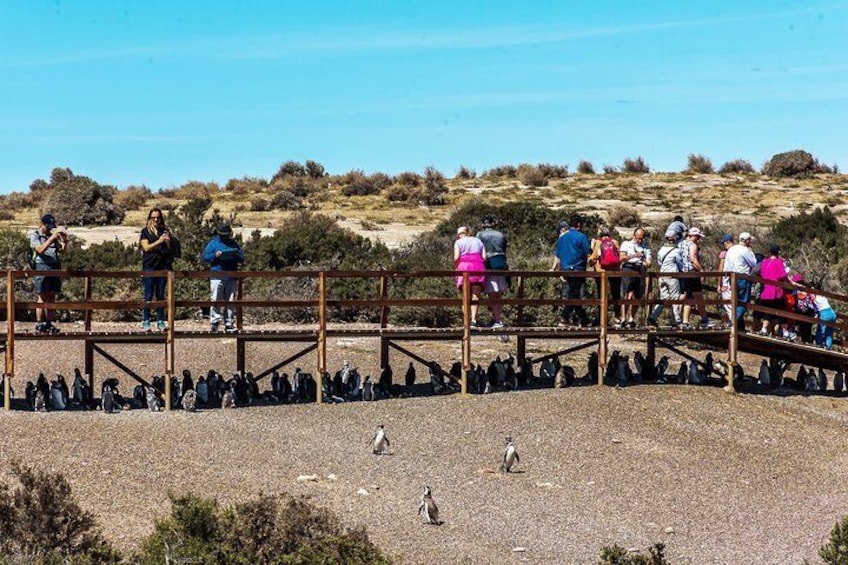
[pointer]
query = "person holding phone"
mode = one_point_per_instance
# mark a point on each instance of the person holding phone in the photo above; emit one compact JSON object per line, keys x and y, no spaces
{"x":47,"y":242}
{"x":223,"y":253}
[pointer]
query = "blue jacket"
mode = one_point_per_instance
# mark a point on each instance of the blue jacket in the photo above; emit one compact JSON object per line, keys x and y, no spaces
{"x":573,"y":249}
{"x":231,"y":254}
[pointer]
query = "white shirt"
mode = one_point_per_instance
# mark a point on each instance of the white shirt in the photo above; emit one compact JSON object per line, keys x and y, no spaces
{"x":630,"y":247}
{"x":739,"y":259}
{"x":822,"y":302}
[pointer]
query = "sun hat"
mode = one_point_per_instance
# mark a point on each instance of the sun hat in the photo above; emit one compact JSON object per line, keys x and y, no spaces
{"x":696,"y":232}
{"x":745,"y":236}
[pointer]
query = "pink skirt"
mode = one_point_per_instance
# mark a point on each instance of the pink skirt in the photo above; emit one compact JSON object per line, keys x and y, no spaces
{"x":471,"y":263}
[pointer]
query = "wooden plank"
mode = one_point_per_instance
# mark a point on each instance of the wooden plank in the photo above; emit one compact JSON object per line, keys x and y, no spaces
{"x":420,"y":359}
{"x":310,"y":348}
{"x":119,"y":365}
{"x":169,"y":342}
{"x":322,"y":335}
{"x":564,"y":352}
{"x":10,"y":341}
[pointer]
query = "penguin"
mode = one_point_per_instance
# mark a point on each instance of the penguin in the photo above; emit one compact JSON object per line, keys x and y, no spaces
{"x":380,"y":442}
{"x":622,"y":371}
{"x":694,"y":375}
{"x":708,"y":363}
{"x":547,"y":370}
{"x":822,"y":380}
{"x":592,"y":368}
{"x":682,"y":373}
{"x":345,"y":372}
{"x":42,"y":385}
{"x":189,"y":401}
{"x":510,"y":456}
{"x":765,"y":374}
{"x":640,"y":367}
{"x":38,"y":403}
{"x":428,"y":508}
{"x":492,"y":377}
{"x":612,"y":368}
{"x":152,"y":396}
{"x":801,"y":378}
{"x":409,"y":379}
{"x":81,"y":393}
{"x":386,"y":378}
{"x":838,"y":382}
{"x":29,"y":392}
{"x":57,"y":400}
{"x":228,"y":400}
{"x":511,"y":379}
{"x":500,"y":368}
{"x":525,"y":372}
{"x":107,"y":400}
{"x":660,"y":371}
{"x":202,"y":390}
{"x":812,"y":381}
{"x":62,"y":384}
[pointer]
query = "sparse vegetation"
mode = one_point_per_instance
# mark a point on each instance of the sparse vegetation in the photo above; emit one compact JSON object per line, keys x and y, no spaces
{"x":585,"y":168}
{"x":464,"y":173}
{"x":625,"y":216}
{"x":617,"y":555}
{"x":636,"y":166}
{"x":835,"y":551}
{"x":133,"y":197}
{"x":81,"y":201}
{"x":699,"y":164}
{"x":736,"y":166}
{"x":797,"y":163}
{"x":610,"y":169}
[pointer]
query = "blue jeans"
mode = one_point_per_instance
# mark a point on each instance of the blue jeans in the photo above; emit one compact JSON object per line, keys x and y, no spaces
{"x":153,"y":287}
{"x":574,"y":288}
{"x":743,"y":296}
{"x":824,"y":334}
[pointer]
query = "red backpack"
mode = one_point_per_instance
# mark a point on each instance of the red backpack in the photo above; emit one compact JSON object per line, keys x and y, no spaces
{"x":609,"y":258}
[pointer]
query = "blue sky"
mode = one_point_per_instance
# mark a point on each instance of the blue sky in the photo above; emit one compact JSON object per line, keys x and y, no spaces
{"x":159,"y":93}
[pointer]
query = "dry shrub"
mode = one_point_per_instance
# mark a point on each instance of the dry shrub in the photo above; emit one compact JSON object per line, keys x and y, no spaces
{"x":20,"y":200}
{"x":609,"y":169}
{"x":246,"y":186}
{"x":286,"y":200}
{"x":259,"y":204}
{"x":636,"y":166}
{"x":531,"y":175}
{"x":408,"y":179}
{"x":502,"y":171}
{"x":699,"y":164}
{"x":356,"y":183}
{"x":797,"y":163}
{"x":625,"y":216}
{"x":585,"y":168}
{"x":736,"y":166}
{"x":464,"y":173}
{"x":552,"y":171}
{"x":133,"y":197}
{"x":192,"y":190}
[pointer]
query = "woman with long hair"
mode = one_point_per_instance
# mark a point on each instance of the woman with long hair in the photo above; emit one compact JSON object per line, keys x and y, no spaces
{"x":157,"y":255}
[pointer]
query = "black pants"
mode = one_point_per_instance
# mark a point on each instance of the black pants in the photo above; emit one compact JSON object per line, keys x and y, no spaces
{"x":574,"y":288}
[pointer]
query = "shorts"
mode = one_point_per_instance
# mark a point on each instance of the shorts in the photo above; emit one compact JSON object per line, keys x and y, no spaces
{"x":691,"y":286}
{"x":777,"y":304}
{"x":632,"y":283}
{"x":495,"y":284}
{"x":46,"y":284}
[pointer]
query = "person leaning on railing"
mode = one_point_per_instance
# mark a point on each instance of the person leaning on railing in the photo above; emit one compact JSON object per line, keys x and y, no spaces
{"x":469,"y":254}
{"x":157,"y":254}
{"x":607,"y":257}
{"x":570,"y":255}
{"x":669,"y":261}
{"x":635,"y":258}
{"x":223,"y":253}
{"x":46,"y":243}
{"x":740,"y":259}
{"x":494,"y":242}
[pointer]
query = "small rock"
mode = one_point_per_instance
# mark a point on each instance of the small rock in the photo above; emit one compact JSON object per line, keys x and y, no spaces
{"x":363,"y":492}
{"x":519,"y":549}
{"x":616,"y":440}
{"x":669,"y":530}
{"x":307,"y":478}
{"x":591,"y":483}
{"x":332,"y":477}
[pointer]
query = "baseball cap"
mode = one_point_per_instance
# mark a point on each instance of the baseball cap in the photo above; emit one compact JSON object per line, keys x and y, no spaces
{"x":774,"y":249}
{"x":745,"y":236}
{"x":48,"y":220}
{"x":696,"y":231}
{"x":487,"y":221}
{"x":727,"y":238}
{"x":671,"y":234}
{"x":224,"y":230}
{"x":563,"y":224}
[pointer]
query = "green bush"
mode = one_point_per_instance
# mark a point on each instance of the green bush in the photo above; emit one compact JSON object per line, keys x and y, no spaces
{"x":585,"y":168}
{"x":78,"y":200}
{"x":41,"y":522}
{"x":636,"y":166}
{"x":133,"y":197}
{"x":269,"y":529}
{"x":835,"y":551}
{"x":797,"y":163}
{"x":356,"y":183}
{"x":699,"y":164}
{"x":465,"y":173}
{"x":626,"y":216}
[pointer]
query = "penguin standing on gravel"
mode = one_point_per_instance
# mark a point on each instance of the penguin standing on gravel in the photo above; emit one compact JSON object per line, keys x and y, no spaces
{"x":510,"y":456}
{"x":379,"y":443}
{"x":428,"y":508}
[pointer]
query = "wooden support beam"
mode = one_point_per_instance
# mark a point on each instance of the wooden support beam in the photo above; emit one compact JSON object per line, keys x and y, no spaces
{"x":733,"y":340}
{"x":686,"y":356}
{"x":384,"y":295}
{"x":310,"y":348}
{"x":239,"y":311}
{"x":322,"y":335}
{"x":418,"y":358}
{"x":384,"y":352}
{"x":466,"y":331}
{"x":87,"y":284}
{"x":88,"y":362}
{"x":564,"y":351}
{"x":169,"y":341}
{"x":241,"y":355}
{"x":603,"y":339}
{"x":119,"y":365}
{"x":9,"y":373}
{"x":521,"y":349}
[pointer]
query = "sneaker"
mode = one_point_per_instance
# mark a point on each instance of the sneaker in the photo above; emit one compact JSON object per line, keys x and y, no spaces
{"x":40,"y":327}
{"x":562,"y":324}
{"x":705,"y":324}
{"x":474,"y":324}
{"x":497,"y":324}
{"x":213,"y":327}
{"x":49,"y":328}
{"x":763,"y":332}
{"x":145,"y":325}
{"x":229,"y":327}
{"x":161,"y":325}
{"x":652,"y":323}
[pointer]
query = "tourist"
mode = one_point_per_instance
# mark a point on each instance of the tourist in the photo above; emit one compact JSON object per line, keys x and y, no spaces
{"x":494,"y":243}
{"x":678,"y":227}
{"x":570,"y":256}
{"x":774,"y":268}
{"x":157,"y":254}
{"x":824,"y":334}
{"x":46,"y":243}
{"x":724,"y":288}
{"x":223,"y":254}
{"x":740,"y":259}
{"x":606,"y":257}
{"x":469,"y":254}
{"x":635,"y":258}
{"x":692,"y":287}
{"x":669,"y":260}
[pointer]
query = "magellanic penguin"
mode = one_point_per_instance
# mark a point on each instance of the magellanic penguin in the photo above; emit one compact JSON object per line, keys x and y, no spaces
{"x":510,"y":456}
{"x":379,"y":443}
{"x":428,"y":508}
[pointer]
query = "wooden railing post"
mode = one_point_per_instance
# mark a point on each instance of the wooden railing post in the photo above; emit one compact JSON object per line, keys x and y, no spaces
{"x":520,"y":310}
{"x":87,"y":295}
{"x":322,"y":336}
{"x":169,"y":339}
{"x":384,"y":296}
{"x":466,"y":331}
{"x":239,"y":296}
{"x":10,"y":340}
{"x":733,"y":341}
{"x":602,"y":338}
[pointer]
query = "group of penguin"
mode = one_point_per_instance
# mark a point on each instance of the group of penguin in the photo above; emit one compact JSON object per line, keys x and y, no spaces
{"x":379,"y":445}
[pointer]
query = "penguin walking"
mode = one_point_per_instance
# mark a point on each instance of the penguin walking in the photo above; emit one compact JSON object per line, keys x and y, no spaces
{"x":409,"y":378}
{"x":510,"y":456}
{"x":428,"y":508}
{"x":380,"y":442}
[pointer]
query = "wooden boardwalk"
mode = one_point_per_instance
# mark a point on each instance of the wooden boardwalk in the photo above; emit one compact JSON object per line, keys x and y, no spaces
{"x":314,"y":337}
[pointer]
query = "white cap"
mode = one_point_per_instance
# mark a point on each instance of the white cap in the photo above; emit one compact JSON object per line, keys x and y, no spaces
{"x":745,"y":236}
{"x":696,"y":231}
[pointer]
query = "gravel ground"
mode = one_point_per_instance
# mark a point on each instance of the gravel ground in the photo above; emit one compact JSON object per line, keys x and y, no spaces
{"x":720,"y":478}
